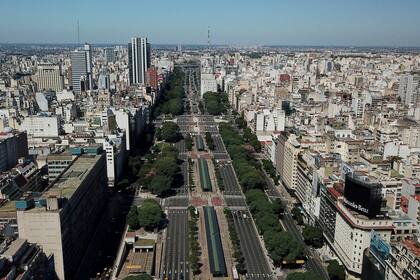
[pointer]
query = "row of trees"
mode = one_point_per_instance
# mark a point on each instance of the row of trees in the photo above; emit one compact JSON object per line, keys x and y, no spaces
{"x":270,"y":169}
{"x":170,"y":99}
{"x":195,"y":249}
{"x":237,"y":253}
{"x":312,"y":235}
{"x":246,"y":167}
{"x":191,"y":184}
{"x":219,"y":179}
{"x":149,"y":216}
{"x":169,"y":132}
{"x":303,"y":276}
{"x":252,"y":139}
{"x":209,"y":141}
{"x":215,"y":103}
{"x":188,"y":142}
{"x":280,"y":244}
{"x":161,"y":171}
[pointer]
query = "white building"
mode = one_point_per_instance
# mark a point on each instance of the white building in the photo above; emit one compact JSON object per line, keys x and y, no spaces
{"x":48,"y":77}
{"x":116,"y":154}
{"x":41,"y":126}
{"x":208,"y":83}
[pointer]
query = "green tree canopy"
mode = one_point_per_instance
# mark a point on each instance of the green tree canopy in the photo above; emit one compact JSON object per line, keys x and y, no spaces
{"x":313,"y":236}
{"x":303,"y":276}
{"x":150,"y":214}
{"x":160,"y":185}
{"x":336,"y":271}
{"x":133,"y":218}
{"x":170,"y":132}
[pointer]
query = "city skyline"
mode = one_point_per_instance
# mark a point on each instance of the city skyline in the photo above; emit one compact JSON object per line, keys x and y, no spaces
{"x":295,"y":23}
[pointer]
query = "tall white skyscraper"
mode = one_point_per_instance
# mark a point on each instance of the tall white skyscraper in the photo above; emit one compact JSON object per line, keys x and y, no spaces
{"x":81,"y":67}
{"x":409,"y":89}
{"x":139,"y":60}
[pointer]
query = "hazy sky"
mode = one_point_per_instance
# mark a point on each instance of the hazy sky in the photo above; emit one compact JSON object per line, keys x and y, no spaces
{"x":247,"y":22}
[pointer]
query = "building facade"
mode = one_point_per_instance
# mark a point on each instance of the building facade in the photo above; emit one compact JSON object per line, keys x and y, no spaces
{"x":48,"y":77}
{"x":64,"y":219}
{"x":139,"y":59}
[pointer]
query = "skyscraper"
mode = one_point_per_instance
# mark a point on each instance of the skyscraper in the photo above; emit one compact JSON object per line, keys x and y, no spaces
{"x":409,"y":89}
{"x":110,"y":55}
{"x":138,"y":60}
{"x":89,"y":64}
{"x":81,"y":66}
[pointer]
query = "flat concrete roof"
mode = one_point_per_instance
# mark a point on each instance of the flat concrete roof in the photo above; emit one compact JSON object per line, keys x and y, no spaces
{"x":67,"y":184}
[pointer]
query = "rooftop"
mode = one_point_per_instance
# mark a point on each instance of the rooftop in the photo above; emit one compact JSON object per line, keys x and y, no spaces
{"x":412,"y":246}
{"x":67,"y":183}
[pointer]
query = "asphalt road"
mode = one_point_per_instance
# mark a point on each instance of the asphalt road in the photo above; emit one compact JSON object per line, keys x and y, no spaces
{"x":218,"y":143}
{"x":255,"y":259}
{"x":180,"y":146}
{"x":175,"y":262}
{"x":229,"y":180}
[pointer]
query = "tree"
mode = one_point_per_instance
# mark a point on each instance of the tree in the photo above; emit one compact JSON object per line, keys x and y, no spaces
{"x":297,"y":215}
{"x":133,"y":218}
{"x":215,"y":102}
{"x":278,"y":206}
{"x":160,"y":185}
{"x":336,"y":271}
{"x":166,"y":166}
{"x":240,"y":122}
{"x":175,"y":106}
{"x":150,"y":214}
{"x":303,"y":276}
{"x":282,"y":246}
{"x":188,"y":142}
{"x":142,"y":276}
{"x":313,"y":236}
{"x":169,"y":132}
{"x":209,"y":141}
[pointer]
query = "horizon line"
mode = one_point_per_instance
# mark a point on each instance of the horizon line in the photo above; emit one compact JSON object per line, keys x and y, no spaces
{"x":228,"y":45}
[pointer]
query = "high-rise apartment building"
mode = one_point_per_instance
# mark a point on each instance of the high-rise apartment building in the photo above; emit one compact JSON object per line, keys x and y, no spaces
{"x":48,"y":77}
{"x":64,"y":219}
{"x":81,"y":69}
{"x":139,"y":60}
{"x":409,"y":89}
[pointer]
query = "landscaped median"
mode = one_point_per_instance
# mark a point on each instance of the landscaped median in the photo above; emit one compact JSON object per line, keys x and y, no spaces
{"x":194,"y":245}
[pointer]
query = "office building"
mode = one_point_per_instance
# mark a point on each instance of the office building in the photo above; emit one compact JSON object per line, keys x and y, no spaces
{"x":64,"y":219}
{"x":57,"y":163}
{"x":81,"y":69}
{"x":139,"y":60}
{"x":110,"y":55}
{"x":13,"y":145}
{"x":48,"y":77}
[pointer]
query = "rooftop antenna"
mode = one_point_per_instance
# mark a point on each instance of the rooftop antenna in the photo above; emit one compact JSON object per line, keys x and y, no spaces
{"x":78,"y":33}
{"x":208,"y":37}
